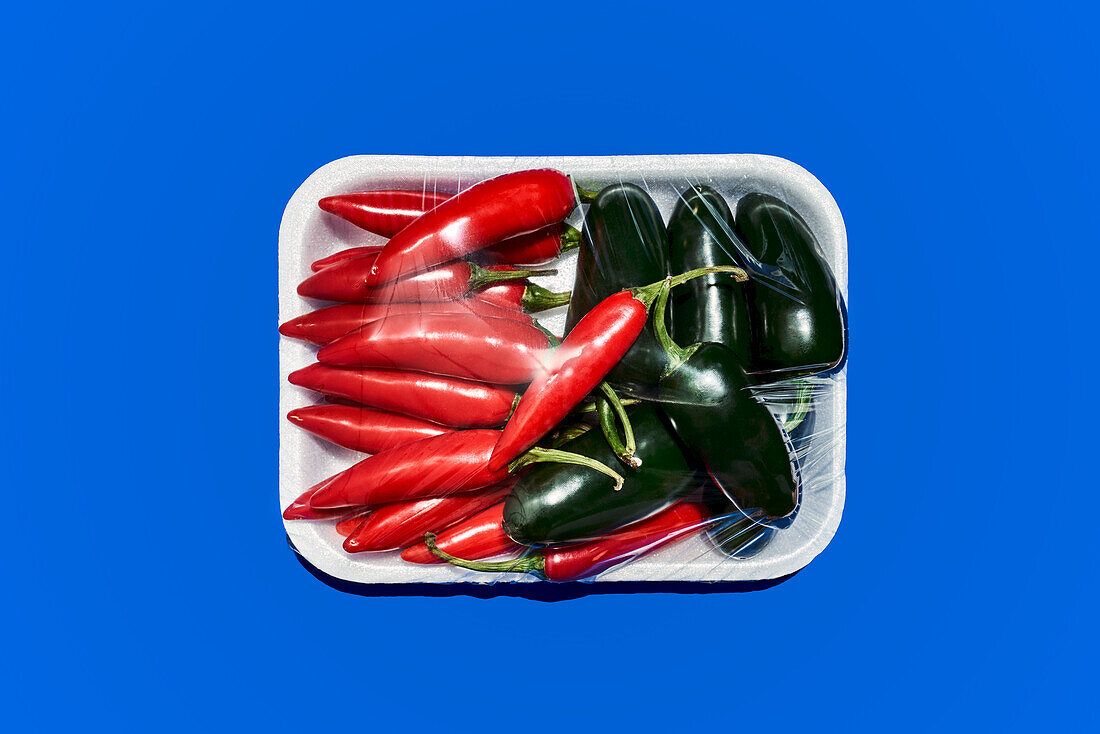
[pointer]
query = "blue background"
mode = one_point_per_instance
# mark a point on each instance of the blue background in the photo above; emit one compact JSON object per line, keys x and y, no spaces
{"x":148,"y":154}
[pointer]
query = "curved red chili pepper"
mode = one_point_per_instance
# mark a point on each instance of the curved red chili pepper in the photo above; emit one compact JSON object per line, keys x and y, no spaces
{"x":347,"y":254}
{"x":480,"y":536}
{"x":347,"y":526}
{"x":589,"y":559}
{"x":574,"y":562}
{"x":536,"y":248}
{"x":469,"y":346}
{"x":432,"y":467}
{"x":346,"y":281}
{"x":483,"y":215}
{"x":592,"y":348}
{"x":363,"y":429}
{"x":449,"y":401}
{"x":327,"y":324}
{"x":402,"y":524}
{"x":382,"y":212}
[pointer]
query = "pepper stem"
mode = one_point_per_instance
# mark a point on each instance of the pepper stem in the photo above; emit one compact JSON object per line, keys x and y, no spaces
{"x":610,"y":408}
{"x":537,"y":298}
{"x":563,"y":436}
{"x":585,"y":196}
{"x":594,"y":406}
{"x":677,"y":355}
{"x":648,"y":293}
{"x":481,"y":277}
{"x":533,"y":563}
{"x":570,"y":238}
{"x":539,"y":455}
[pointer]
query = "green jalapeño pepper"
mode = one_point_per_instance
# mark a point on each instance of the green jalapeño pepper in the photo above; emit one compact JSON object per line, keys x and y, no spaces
{"x":562,"y":503}
{"x":623,"y":246}
{"x":712,"y":308}
{"x":705,"y":394}
{"x":791,"y":339}
{"x":735,"y":436}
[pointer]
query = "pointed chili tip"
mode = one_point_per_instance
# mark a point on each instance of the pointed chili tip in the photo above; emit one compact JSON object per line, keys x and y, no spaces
{"x":300,"y":511}
{"x":330,"y":204}
{"x":297,"y":377}
{"x":297,"y":417}
{"x":326,"y":495}
{"x":292,"y":328}
{"x":351,"y":544}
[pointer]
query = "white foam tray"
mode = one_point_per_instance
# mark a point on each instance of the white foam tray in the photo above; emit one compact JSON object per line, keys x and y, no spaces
{"x":307,"y":233}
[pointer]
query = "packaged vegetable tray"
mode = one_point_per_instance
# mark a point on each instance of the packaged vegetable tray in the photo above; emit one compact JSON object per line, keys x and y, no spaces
{"x":559,"y":369}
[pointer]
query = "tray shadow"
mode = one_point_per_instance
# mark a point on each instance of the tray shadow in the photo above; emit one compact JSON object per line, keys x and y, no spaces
{"x":547,"y":592}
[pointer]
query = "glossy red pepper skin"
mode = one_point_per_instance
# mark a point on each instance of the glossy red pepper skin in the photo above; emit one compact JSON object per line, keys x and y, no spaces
{"x":402,"y":524}
{"x":384,"y":213}
{"x":477,"y":537}
{"x":300,"y":509}
{"x":347,"y":254}
{"x":448,"y":401}
{"x":341,"y":281}
{"x":363,"y":429}
{"x":536,"y":248}
{"x":330,"y":323}
{"x":347,"y":526}
{"x":433,"y":467}
{"x":588,"y":559}
{"x":592,"y":348}
{"x":468,"y":346}
{"x":345,"y":281}
{"x":482,"y":215}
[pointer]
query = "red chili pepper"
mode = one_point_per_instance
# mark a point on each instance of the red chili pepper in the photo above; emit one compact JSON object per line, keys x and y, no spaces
{"x":469,"y":346}
{"x":347,"y":254}
{"x":536,"y":248}
{"x":480,"y":536}
{"x":346,"y":281}
{"x":588,"y":559}
{"x":383,"y":212}
{"x":592,"y":348}
{"x":347,"y":526}
{"x":432,"y":467}
{"x":483,"y":215}
{"x":448,"y":401}
{"x":300,"y":509}
{"x":327,"y":324}
{"x":363,"y":429}
{"x":401,"y":524}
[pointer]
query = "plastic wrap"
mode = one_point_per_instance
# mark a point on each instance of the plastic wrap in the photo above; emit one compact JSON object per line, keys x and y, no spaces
{"x":734,"y":381}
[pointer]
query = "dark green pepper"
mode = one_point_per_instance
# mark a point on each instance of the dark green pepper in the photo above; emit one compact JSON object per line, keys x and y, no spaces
{"x":562,"y":503}
{"x":735,"y":436}
{"x":624,"y":245}
{"x":791,"y":339}
{"x":712,"y":308}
